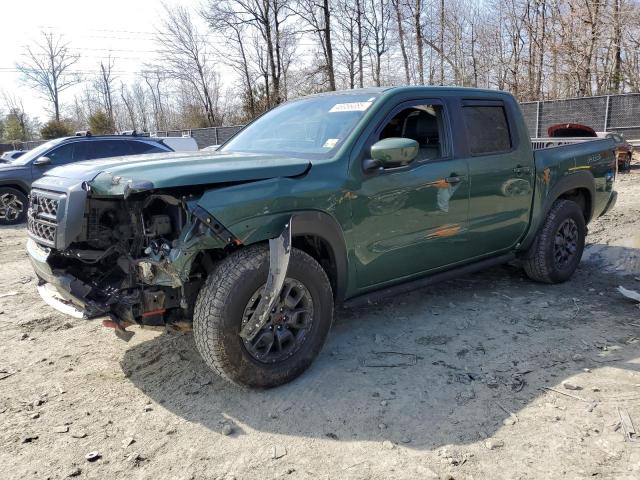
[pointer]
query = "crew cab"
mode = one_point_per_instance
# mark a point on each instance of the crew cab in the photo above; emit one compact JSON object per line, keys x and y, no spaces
{"x":332,"y":198}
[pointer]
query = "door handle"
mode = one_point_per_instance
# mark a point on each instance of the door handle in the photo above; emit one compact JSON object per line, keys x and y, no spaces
{"x":519,"y":170}
{"x":452,"y":180}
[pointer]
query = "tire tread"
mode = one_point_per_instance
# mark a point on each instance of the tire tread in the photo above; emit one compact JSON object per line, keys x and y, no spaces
{"x":536,"y":264}
{"x":210,"y":304}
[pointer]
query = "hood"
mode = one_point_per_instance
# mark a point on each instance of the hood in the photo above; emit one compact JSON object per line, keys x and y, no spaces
{"x":116,"y":175}
{"x":12,"y":167}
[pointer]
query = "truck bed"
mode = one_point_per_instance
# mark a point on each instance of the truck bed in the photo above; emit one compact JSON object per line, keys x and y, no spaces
{"x":593,"y":159}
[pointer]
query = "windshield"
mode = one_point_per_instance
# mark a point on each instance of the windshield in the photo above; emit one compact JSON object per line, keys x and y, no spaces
{"x":312,"y":127}
{"x":35,"y":152}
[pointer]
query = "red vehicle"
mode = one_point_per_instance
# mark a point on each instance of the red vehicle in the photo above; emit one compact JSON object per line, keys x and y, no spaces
{"x":624,"y":150}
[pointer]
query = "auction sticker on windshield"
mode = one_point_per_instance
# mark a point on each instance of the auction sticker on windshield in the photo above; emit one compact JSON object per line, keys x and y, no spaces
{"x":331,"y":142}
{"x":350,"y":107}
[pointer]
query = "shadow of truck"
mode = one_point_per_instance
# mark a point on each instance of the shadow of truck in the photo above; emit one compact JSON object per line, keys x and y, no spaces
{"x":433,"y":367}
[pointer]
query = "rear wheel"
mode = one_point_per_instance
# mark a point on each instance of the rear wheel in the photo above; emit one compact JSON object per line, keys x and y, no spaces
{"x":13,"y":206}
{"x":294,"y":333}
{"x":558,"y":247}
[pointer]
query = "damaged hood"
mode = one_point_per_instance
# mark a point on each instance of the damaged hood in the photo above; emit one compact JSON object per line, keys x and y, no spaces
{"x":114,"y":176}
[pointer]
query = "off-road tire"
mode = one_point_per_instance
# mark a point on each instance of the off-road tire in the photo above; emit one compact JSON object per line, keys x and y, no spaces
{"x":22,"y":198}
{"x":539,"y":263}
{"x":219,"y":311}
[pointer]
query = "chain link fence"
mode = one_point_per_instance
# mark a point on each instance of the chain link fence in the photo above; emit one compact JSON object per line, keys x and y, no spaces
{"x":606,"y":113}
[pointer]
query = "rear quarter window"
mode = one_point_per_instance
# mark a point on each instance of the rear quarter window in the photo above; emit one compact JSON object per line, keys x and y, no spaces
{"x":487,"y":129}
{"x":138,"y":148}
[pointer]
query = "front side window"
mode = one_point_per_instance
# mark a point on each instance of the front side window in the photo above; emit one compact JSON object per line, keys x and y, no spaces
{"x":62,"y":155}
{"x":313,"y":127}
{"x":422,"y":123}
{"x":487,"y":129}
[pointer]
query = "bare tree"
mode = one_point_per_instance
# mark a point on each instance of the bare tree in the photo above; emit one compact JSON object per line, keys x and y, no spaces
{"x":47,"y":68}
{"x":104,"y":84}
{"x":317,"y":16}
{"x":187,"y":58}
{"x":378,"y":18}
{"x":399,"y":15}
{"x":129,"y":104}
{"x":617,"y":45}
{"x":155,"y":78}
{"x":141,"y":102}
{"x":345,"y":39}
{"x":267,"y":18}
{"x":419,"y":40}
{"x":235,"y":49}
{"x":280,"y":49}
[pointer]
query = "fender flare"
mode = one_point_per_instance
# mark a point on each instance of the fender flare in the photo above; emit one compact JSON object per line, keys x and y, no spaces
{"x":579,"y":179}
{"x":325,"y":227}
{"x":314,"y":223}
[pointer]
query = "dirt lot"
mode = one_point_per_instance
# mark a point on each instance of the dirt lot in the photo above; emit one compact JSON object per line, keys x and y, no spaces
{"x":470,"y":396}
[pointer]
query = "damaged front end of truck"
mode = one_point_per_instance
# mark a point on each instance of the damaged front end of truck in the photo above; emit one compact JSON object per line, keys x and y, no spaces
{"x":124,"y":249}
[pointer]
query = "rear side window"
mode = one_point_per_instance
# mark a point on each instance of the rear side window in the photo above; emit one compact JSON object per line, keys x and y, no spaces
{"x":487,"y":129}
{"x":109,"y":148}
{"x":144,"y":147}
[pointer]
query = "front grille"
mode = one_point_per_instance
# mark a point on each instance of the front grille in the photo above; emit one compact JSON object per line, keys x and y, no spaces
{"x":41,"y":230}
{"x":42,"y":221}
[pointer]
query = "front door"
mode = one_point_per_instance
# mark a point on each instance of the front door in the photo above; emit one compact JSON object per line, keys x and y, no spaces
{"x":60,"y":155}
{"x":411,"y":219}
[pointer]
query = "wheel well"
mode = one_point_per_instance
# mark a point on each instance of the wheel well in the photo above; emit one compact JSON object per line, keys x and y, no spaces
{"x":17,"y":187}
{"x":321,"y":251}
{"x":582,"y":197}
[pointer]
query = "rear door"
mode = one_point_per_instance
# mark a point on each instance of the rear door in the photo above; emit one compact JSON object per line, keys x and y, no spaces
{"x":501,"y":172}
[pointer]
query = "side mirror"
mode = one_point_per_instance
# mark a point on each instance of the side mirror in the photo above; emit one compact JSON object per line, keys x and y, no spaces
{"x":42,"y":161}
{"x":393,"y":152}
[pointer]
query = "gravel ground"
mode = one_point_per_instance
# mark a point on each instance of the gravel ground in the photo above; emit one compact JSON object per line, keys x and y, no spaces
{"x":464,"y":380}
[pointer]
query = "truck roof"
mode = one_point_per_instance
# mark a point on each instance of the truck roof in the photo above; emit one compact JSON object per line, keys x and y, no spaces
{"x":412,"y":88}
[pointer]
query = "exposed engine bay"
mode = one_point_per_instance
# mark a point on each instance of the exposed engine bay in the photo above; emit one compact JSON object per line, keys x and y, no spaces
{"x":142,"y":261}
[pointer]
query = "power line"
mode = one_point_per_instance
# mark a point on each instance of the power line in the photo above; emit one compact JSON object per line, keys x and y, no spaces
{"x":152,"y":36}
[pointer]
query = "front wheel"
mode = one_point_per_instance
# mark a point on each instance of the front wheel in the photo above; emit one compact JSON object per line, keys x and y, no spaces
{"x":557,"y":249}
{"x":294,"y":333}
{"x":13,"y":206}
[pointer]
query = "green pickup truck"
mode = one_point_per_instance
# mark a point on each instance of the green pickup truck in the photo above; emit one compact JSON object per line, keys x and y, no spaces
{"x":328,"y":199}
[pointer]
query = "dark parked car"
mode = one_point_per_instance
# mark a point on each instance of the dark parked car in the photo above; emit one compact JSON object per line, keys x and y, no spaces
{"x":624,"y":150}
{"x":16,"y":175}
{"x":11,"y":155}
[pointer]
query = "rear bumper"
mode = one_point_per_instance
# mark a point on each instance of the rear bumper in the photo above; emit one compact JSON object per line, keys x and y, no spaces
{"x":611,"y":203}
{"x":71,"y":290}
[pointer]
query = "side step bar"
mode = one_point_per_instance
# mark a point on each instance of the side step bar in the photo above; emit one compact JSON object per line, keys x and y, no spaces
{"x":369,"y":297}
